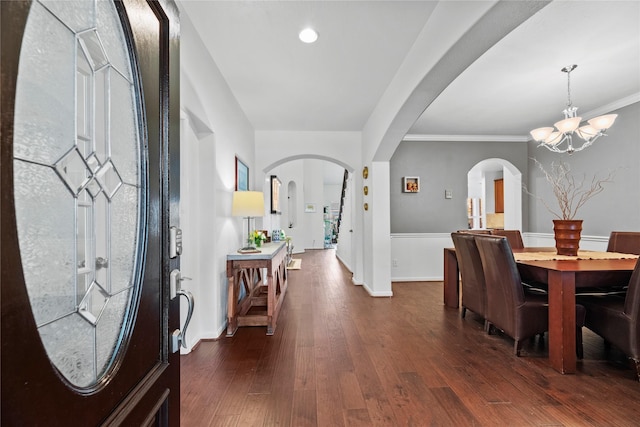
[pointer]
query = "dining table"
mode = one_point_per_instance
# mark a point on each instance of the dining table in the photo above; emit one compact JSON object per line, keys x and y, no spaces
{"x":563,"y":275}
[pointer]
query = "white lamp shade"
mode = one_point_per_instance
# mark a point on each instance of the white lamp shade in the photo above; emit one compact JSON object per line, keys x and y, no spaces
{"x":587,"y":131}
{"x":568,"y":125}
{"x":603,"y":122}
{"x":247,"y":203}
{"x":554,"y":138}
{"x":541,"y":134}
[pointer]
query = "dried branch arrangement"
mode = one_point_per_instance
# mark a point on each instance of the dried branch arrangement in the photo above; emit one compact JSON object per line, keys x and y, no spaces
{"x":571,"y":193}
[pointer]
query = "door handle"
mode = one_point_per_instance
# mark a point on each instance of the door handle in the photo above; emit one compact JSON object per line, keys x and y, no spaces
{"x":189,"y":296}
{"x":178,"y":337}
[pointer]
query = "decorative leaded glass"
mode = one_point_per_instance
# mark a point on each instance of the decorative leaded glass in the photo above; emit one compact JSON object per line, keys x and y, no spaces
{"x":80,"y":183}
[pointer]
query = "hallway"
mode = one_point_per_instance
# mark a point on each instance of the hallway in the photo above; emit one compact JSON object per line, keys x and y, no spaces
{"x":342,"y":358}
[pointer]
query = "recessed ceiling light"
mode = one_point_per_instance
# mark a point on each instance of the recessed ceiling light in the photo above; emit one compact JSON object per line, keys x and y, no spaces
{"x":308,"y":35}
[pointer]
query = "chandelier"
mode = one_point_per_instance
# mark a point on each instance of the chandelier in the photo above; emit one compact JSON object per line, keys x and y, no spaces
{"x":561,"y":140}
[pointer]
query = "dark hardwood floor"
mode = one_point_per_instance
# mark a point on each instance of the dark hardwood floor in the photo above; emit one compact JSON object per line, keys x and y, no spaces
{"x":342,"y":358}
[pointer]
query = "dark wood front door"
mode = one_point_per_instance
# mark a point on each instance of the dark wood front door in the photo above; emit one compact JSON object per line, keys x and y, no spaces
{"x":90,"y":188}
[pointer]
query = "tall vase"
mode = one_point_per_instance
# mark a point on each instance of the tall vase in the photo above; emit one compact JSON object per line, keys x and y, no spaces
{"x":567,"y":235}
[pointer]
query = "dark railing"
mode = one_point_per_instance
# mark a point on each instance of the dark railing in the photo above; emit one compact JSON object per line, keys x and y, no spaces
{"x":344,"y":190}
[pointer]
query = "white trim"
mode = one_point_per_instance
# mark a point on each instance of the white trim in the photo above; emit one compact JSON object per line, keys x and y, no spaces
{"x":420,"y":235}
{"x":418,"y":279}
{"x":377,"y":294}
{"x":342,"y":261}
{"x":597,"y":239}
{"x":612,"y":106}
{"x":466,"y":138}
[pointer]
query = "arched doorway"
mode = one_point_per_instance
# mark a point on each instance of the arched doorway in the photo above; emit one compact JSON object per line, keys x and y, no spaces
{"x":480,"y":188}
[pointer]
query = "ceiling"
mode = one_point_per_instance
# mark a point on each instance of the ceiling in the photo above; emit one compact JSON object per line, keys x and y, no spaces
{"x":335,"y":83}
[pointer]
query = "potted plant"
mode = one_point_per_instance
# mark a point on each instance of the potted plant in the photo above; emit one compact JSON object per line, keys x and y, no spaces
{"x":258,"y":237}
{"x":571,"y":194}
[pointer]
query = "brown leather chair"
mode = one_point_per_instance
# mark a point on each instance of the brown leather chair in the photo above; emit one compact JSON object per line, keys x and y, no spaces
{"x":472,"y":231}
{"x":626,"y":242}
{"x":520,"y":315}
{"x":474,"y":292}
{"x":513,"y":236}
{"x":617,"y":319}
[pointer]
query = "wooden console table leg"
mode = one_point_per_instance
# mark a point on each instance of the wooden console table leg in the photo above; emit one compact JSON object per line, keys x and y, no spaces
{"x":233,"y":292}
{"x":271,"y":301}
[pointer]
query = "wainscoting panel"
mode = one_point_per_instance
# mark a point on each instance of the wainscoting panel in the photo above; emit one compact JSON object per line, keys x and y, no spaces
{"x":419,"y":256}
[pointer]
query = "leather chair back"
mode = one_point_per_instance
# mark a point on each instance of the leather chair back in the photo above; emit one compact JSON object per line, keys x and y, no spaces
{"x":508,"y":308}
{"x":626,"y":242}
{"x":504,"y":288}
{"x":632,"y":303}
{"x":513,"y":236}
{"x":474,"y":292}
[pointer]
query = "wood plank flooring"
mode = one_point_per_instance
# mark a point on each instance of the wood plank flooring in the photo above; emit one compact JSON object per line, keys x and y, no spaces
{"x":342,"y":358}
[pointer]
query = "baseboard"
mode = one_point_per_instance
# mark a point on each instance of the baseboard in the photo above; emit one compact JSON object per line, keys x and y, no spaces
{"x":377,"y":294}
{"x":416,"y":279}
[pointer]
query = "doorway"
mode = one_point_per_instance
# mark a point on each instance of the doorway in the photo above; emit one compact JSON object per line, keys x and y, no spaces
{"x":480,"y":187}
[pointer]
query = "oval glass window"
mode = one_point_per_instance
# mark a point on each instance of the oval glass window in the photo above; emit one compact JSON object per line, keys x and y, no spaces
{"x":80,"y":184}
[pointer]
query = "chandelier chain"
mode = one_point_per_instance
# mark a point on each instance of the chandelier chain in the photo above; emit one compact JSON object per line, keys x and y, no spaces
{"x":569,"y":89}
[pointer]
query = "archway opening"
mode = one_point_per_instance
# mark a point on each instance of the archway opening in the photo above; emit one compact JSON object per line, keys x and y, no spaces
{"x":494,"y":183}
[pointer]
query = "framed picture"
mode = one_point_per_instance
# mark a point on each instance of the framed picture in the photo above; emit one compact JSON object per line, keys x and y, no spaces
{"x":310,"y":207}
{"x":275,"y":194}
{"x":242,"y":175}
{"x":411,"y":184}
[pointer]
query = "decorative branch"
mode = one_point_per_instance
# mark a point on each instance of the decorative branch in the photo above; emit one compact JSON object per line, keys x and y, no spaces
{"x":570,"y":193}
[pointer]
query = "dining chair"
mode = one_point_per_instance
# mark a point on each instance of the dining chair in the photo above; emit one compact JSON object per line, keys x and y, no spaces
{"x":474,"y":292}
{"x":473,"y":231}
{"x":513,"y":236}
{"x":616,"y":319}
{"x":626,"y":242}
{"x":518,"y":314}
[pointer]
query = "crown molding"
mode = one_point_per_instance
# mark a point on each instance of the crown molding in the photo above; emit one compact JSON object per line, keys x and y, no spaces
{"x":612,"y":106}
{"x":605,"y":109}
{"x":466,"y":138}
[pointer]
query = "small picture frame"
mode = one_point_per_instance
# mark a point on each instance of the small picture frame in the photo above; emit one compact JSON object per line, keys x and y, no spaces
{"x":411,"y":184}
{"x":275,"y":194}
{"x":242,"y":175}
{"x":310,"y":207}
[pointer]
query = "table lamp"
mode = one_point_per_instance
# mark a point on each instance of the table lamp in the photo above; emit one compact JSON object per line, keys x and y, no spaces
{"x":248,"y":204}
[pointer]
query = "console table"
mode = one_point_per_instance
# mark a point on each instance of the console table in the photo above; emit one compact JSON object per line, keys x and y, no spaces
{"x":262,"y":299}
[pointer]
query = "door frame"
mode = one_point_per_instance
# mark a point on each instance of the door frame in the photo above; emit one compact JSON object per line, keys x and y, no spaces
{"x":133,"y":406}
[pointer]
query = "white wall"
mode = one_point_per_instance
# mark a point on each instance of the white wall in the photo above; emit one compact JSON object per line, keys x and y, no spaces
{"x":216,"y":131}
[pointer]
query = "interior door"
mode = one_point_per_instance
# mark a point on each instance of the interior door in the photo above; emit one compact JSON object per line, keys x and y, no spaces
{"x":90,"y":188}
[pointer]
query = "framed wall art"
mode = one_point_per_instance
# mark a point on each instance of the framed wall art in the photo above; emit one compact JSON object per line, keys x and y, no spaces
{"x":242,"y":175}
{"x":275,"y":195}
{"x":411,"y":184}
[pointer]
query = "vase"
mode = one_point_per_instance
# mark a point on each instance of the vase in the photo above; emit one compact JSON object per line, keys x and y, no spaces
{"x":258,"y":243}
{"x":567,"y":235}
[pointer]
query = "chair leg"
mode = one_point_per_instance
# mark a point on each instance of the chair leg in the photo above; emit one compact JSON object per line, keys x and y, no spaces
{"x":579,"y":346}
{"x":636,"y":363}
{"x":486,"y":325}
{"x":516,"y":348}
{"x":464,"y":312}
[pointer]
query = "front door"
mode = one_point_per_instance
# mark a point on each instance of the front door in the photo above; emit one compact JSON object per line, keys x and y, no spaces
{"x":90,"y":188}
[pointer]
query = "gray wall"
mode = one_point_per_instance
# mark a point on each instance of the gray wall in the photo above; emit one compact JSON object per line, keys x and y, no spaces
{"x":442,"y":166}
{"x":618,"y":206}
